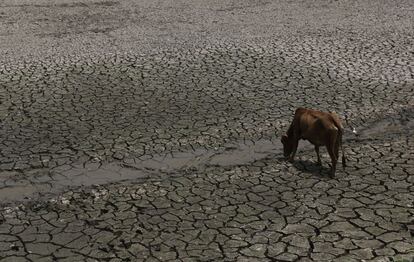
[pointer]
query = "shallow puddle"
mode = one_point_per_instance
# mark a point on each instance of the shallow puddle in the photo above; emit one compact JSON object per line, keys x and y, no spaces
{"x":402,"y":122}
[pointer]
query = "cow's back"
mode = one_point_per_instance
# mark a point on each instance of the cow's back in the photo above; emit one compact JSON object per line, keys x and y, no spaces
{"x":314,"y":125}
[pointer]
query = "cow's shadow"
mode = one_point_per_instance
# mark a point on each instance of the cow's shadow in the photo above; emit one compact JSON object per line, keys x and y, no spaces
{"x":312,"y":167}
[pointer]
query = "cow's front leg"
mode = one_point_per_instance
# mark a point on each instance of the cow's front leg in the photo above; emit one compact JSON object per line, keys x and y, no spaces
{"x":294,"y":149}
{"x":317,"y":154}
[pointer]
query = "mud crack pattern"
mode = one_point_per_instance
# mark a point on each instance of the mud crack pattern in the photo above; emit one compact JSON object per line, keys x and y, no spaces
{"x":266,"y":211}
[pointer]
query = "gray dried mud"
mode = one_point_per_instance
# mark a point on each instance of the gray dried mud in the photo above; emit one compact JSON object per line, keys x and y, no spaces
{"x":149,"y":130}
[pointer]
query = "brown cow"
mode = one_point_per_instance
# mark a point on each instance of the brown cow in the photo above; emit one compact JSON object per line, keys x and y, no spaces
{"x":319,"y":128}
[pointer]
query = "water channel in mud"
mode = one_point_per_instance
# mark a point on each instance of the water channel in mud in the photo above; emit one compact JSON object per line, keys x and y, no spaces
{"x":43,"y":182}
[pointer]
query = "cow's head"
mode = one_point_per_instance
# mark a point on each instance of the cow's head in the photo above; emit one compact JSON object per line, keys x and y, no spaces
{"x":287,"y":145}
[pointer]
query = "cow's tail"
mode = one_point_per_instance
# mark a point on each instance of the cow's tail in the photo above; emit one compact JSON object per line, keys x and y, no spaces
{"x":339,"y":139}
{"x":340,"y":133}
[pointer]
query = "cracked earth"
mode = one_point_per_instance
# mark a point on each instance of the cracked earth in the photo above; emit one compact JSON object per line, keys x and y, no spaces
{"x":150,"y":131}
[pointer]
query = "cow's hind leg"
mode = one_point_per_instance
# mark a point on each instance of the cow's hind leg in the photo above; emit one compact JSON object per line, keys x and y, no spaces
{"x":294,"y":149}
{"x":334,"y":159}
{"x":317,"y":154}
{"x":332,"y":152}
